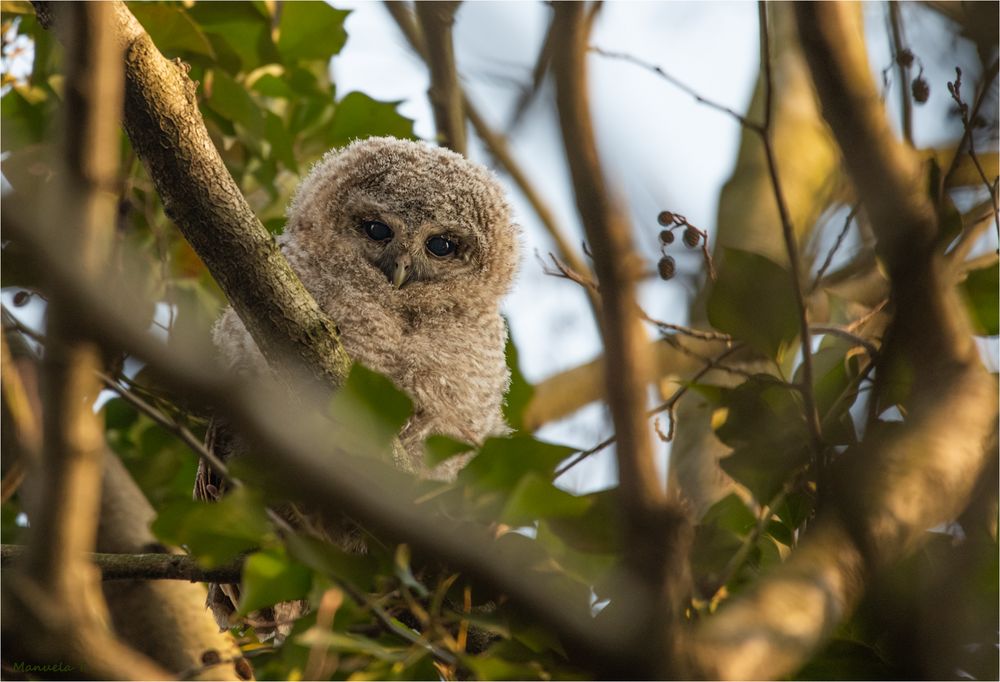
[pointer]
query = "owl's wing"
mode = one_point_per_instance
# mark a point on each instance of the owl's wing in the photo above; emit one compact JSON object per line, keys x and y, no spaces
{"x":208,"y":485}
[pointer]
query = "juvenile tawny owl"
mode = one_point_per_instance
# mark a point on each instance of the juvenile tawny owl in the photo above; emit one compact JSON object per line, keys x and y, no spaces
{"x":409,"y":248}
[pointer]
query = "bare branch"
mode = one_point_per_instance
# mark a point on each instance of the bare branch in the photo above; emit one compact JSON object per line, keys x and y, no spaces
{"x":141,"y":566}
{"x":436,"y":19}
{"x":656,"y":534}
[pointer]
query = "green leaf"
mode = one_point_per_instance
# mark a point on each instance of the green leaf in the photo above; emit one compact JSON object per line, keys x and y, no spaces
{"x":231,"y":100}
{"x":359,"y":116}
{"x":370,"y":409}
{"x":520,"y":392}
{"x":281,"y":141}
{"x":172,"y":29}
{"x":730,"y":513}
{"x":270,"y":577}
{"x":754,"y":301}
{"x":502,"y":462}
{"x":237,"y":29}
{"x":534,"y":498}
{"x":440,"y":448}
{"x":310,"y":30}
{"x":119,"y":415}
{"x":596,"y":530}
{"x":214,"y":532}
{"x":323,"y":557}
{"x":981,"y":294}
{"x":767,"y":431}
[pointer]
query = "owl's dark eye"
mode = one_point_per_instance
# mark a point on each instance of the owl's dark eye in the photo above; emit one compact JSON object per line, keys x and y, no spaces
{"x":441,"y":246}
{"x":376,"y":231}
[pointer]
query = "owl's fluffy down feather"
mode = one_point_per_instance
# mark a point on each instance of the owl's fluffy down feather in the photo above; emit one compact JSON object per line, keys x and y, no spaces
{"x":439,"y":338}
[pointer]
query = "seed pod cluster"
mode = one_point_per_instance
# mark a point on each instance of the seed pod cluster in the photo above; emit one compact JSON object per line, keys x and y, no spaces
{"x":691,"y":236}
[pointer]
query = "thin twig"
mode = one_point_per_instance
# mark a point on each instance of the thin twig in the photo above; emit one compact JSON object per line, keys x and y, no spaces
{"x":968,"y":122}
{"x":666,"y":406}
{"x":809,"y":400}
{"x":836,"y":246}
{"x":677,"y":84}
{"x":845,"y":334}
{"x":171,"y":425}
{"x":898,"y":48}
{"x":985,"y":86}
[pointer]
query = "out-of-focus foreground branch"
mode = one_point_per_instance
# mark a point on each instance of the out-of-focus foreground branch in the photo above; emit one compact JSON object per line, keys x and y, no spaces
{"x":315,"y":470}
{"x":655,"y":533}
{"x":436,"y":19}
{"x":200,"y":196}
{"x":55,"y":600}
{"x":897,"y":483}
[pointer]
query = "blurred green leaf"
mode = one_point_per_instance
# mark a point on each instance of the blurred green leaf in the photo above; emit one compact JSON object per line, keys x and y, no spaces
{"x":310,"y":30}
{"x":754,"y":301}
{"x":520,"y":392}
{"x":765,"y":427}
{"x":323,"y":557}
{"x":981,"y":289}
{"x":440,"y":448}
{"x":281,"y":141}
{"x":401,"y":564}
{"x":502,"y":462}
{"x":534,"y":498}
{"x":25,"y":113}
{"x":269,"y":577}
{"x":172,"y":29}
{"x":370,"y":409}
{"x":596,"y":530}
{"x":214,"y":532}
{"x":730,"y":513}
{"x":359,"y":116}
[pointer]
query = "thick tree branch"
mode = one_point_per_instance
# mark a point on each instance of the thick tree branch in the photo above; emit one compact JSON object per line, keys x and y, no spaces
{"x":200,"y":196}
{"x":899,"y":481}
{"x":436,"y":20}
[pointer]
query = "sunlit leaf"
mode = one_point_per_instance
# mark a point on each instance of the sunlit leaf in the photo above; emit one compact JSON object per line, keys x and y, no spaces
{"x":269,"y":577}
{"x":310,"y":30}
{"x":981,"y":292}
{"x":359,"y":116}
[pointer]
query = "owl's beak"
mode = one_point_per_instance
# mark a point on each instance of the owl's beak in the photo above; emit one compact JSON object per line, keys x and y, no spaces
{"x":401,"y":270}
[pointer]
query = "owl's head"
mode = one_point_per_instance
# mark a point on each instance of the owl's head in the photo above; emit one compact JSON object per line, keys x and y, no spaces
{"x":406,"y":221}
